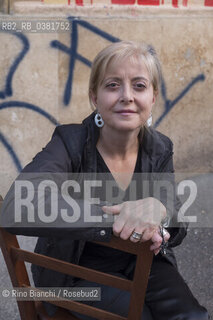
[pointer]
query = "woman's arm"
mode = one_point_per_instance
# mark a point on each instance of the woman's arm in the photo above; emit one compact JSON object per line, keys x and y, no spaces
{"x":145,"y":216}
{"x":51,"y":167}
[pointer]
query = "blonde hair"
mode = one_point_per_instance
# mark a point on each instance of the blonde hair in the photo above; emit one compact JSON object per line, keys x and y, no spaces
{"x":122,"y":50}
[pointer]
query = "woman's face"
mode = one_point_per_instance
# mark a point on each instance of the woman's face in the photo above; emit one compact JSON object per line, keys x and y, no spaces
{"x":125,"y":97}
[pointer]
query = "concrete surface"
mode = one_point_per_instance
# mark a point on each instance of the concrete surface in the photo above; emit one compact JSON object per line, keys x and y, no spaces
{"x":194,"y":256}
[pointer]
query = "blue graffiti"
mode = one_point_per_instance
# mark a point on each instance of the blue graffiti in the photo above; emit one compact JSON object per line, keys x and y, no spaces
{"x":168,"y":104}
{"x":25,"y":105}
{"x":72,"y":51}
{"x":73,"y":54}
{"x":8,"y":91}
{"x":11,"y":152}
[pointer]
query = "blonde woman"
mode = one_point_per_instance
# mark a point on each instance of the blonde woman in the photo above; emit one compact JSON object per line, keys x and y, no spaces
{"x":115,"y":140}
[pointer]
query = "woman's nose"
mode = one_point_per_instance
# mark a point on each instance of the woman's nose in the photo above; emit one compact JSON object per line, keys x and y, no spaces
{"x":126,"y":95}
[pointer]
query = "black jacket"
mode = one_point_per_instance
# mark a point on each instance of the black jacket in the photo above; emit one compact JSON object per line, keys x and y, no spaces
{"x":72,"y":149}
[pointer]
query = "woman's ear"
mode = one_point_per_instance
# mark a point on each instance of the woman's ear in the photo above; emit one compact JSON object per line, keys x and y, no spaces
{"x":93,"y":98}
{"x":155,"y":93}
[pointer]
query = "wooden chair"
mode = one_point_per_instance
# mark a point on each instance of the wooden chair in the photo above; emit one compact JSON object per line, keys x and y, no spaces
{"x":14,"y":257}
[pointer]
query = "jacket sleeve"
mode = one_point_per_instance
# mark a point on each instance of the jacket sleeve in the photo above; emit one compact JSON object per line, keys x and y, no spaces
{"x":38,"y":202}
{"x":177,"y":230}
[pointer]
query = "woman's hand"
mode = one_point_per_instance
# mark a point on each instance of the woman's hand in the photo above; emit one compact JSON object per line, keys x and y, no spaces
{"x":157,"y":241}
{"x":141,"y":216}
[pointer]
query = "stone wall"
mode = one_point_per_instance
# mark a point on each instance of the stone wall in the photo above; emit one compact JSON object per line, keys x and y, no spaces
{"x":157,"y":3}
{"x":43,"y":79}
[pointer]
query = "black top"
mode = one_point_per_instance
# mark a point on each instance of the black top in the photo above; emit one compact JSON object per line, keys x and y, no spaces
{"x":100,"y":257}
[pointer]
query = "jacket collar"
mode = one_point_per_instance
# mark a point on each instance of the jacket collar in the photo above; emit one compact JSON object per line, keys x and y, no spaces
{"x":91,"y":142}
{"x":156,"y":147}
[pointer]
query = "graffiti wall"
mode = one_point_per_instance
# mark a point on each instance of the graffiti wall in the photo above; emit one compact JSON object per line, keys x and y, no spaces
{"x":45,"y":66}
{"x":173,"y":3}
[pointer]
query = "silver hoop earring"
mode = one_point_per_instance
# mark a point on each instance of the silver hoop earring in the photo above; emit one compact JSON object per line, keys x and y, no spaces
{"x":98,"y":120}
{"x":149,"y":121}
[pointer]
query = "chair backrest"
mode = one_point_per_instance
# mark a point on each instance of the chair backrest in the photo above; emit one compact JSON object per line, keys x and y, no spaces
{"x":15,"y":257}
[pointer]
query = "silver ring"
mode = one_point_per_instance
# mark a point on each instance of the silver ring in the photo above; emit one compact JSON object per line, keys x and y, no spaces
{"x":137,"y":236}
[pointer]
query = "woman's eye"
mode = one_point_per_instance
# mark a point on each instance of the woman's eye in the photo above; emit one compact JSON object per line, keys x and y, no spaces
{"x":140,"y":85}
{"x":112,"y":85}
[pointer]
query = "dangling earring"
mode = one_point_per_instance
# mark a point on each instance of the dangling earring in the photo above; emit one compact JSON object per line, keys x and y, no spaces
{"x":149,"y":121}
{"x":98,"y":120}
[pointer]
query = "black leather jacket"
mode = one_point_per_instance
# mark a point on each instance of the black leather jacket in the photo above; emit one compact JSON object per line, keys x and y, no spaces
{"x":72,"y":149}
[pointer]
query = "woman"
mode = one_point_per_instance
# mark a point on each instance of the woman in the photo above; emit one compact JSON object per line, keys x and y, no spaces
{"x":115,"y":140}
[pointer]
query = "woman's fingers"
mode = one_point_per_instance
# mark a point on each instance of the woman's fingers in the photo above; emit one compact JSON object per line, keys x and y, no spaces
{"x":166,"y":236}
{"x":119,"y":228}
{"x":138,"y":220}
{"x":126,"y":232}
{"x":115,"y":210}
{"x":112,"y":209}
{"x":142,"y":234}
{"x":148,"y":233}
{"x":156,"y":251}
{"x":157,"y":241}
{"x":137,"y":235}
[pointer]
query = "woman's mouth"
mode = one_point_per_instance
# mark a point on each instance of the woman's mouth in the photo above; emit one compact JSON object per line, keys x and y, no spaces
{"x":126,"y":111}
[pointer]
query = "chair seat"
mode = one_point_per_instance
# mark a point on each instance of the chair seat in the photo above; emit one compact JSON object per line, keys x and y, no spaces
{"x":61,"y":314}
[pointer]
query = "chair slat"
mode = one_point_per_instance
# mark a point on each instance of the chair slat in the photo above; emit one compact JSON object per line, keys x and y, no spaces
{"x":117,"y":243}
{"x":144,"y":260}
{"x":17,"y":272}
{"x":83,"y":308}
{"x":71,"y":269}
